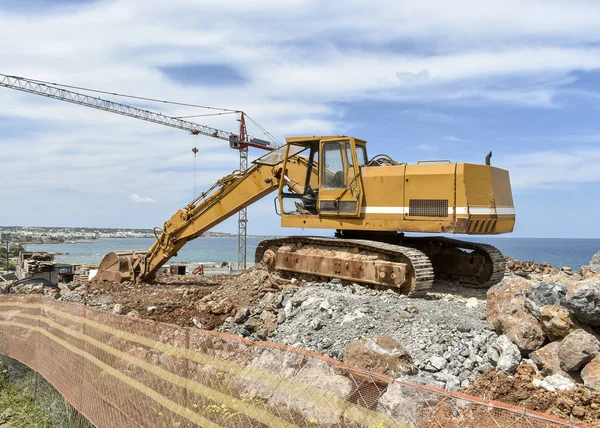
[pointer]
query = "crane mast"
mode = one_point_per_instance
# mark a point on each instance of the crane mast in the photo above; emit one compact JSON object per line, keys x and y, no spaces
{"x":239,"y":142}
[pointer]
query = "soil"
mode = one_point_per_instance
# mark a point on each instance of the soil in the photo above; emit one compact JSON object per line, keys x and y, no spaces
{"x":180,"y":299}
{"x":580,"y":404}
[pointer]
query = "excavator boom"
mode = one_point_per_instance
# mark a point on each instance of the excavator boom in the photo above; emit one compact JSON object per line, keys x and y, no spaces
{"x":225,"y":198}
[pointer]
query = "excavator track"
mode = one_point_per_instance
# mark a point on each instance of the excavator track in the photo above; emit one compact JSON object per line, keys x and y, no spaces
{"x":419,"y":272}
{"x":441,"y":249}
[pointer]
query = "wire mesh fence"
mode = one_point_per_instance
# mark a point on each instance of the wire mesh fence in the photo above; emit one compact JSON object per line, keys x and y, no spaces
{"x":28,"y":400}
{"x":120,"y":371}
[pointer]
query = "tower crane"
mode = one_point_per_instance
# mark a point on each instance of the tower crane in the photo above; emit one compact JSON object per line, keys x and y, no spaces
{"x":240,"y":142}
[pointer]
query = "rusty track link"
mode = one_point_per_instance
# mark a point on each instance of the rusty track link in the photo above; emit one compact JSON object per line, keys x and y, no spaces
{"x":420,"y":264}
{"x":495,"y":256}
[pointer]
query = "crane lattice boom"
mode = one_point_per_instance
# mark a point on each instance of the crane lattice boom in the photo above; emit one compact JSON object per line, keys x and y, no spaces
{"x":37,"y":88}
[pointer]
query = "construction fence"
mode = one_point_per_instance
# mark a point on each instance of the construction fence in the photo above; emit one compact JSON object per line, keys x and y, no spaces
{"x":120,"y":371}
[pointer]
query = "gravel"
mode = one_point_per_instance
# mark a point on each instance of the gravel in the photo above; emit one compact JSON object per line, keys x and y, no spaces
{"x":446,"y":336}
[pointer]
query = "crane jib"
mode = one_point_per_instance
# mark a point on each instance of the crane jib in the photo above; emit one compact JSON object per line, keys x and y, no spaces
{"x":26,"y":85}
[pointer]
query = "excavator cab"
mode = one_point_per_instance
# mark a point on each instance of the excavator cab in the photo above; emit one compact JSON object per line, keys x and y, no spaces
{"x":332,"y":184}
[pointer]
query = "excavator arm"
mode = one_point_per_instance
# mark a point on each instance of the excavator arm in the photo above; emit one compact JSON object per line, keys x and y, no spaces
{"x":225,"y":198}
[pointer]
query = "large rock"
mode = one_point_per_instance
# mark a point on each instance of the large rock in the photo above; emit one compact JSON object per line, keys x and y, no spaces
{"x":405,"y":403}
{"x":583,"y":298}
{"x":270,"y":365}
{"x":504,"y":354}
{"x":546,"y":359}
{"x":595,"y":263}
{"x":508,"y":314}
{"x":557,"y":321}
{"x":577,"y":349}
{"x":547,"y":293}
{"x":555,"y":382}
{"x":591,"y":374}
{"x":381,"y":355}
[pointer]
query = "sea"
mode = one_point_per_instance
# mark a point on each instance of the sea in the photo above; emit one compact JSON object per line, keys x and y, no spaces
{"x":572,"y":253}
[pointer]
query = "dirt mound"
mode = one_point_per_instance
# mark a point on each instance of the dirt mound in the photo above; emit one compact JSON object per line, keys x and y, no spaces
{"x":581,"y":404}
{"x":171,"y":299}
{"x":181,"y":299}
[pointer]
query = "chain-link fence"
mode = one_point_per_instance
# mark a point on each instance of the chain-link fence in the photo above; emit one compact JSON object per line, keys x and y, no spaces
{"x":120,"y":371}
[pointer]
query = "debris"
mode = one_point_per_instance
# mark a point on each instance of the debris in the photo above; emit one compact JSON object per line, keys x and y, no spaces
{"x":504,"y":354}
{"x":383,"y":354}
{"x":554,"y":382}
{"x":526,"y":268}
{"x":196,"y":323}
{"x":118,"y":309}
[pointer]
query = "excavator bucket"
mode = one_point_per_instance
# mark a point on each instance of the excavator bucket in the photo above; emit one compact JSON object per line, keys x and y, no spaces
{"x":116,"y":266}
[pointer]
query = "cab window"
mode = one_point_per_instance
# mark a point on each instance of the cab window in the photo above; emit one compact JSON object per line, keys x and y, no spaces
{"x":361,"y":155}
{"x":332,"y":166}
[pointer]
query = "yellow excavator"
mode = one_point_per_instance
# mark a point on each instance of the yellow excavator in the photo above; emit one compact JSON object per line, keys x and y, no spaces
{"x":328,"y":182}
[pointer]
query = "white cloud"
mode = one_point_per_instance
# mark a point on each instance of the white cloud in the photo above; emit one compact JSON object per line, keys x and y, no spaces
{"x":301,"y":68}
{"x":141,"y":200}
{"x":552,"y":169}
{"x":456,"y":139}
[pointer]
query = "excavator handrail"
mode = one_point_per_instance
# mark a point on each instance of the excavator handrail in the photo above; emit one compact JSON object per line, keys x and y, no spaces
{"x":434,"y":161}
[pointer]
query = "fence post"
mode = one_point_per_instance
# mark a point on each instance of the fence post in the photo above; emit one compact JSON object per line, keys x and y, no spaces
{"x":35,"y":387}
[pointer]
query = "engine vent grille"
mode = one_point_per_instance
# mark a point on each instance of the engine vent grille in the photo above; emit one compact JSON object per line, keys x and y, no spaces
{"x":428,"y":208}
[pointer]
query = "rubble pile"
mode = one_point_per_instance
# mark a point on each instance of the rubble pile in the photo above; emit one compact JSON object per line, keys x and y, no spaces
{"x":441,"y":341}
{"x":535,"y":334}
{"x":579,"y":403}
{"x":525,"y":268}
{"x":556,"y":325}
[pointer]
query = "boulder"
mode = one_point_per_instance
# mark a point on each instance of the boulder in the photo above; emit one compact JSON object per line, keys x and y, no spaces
{"x":241,"y":315}
{"x":269,"y":320}
{"x":405,"y":403}
{"x":595,"y":263}
{"x":504,"y":354}
{"x":73,"y":285}
{"x":381,"y":355}
{"x":547,"y":293}
{"x":591,"y":374}
{"x":508,"y":314}
{"x":546,"y":359}
{"x":450,"y":381}
{"x":436,"y":363}
{"x":311,"y":373}
{"x":583,"y":298}
{"x":225,"y":306}
{"x":577,"y":349}
{"x":557,"y":321}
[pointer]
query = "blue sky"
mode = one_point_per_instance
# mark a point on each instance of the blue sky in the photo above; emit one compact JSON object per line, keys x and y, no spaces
{"x":422,"y":79}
